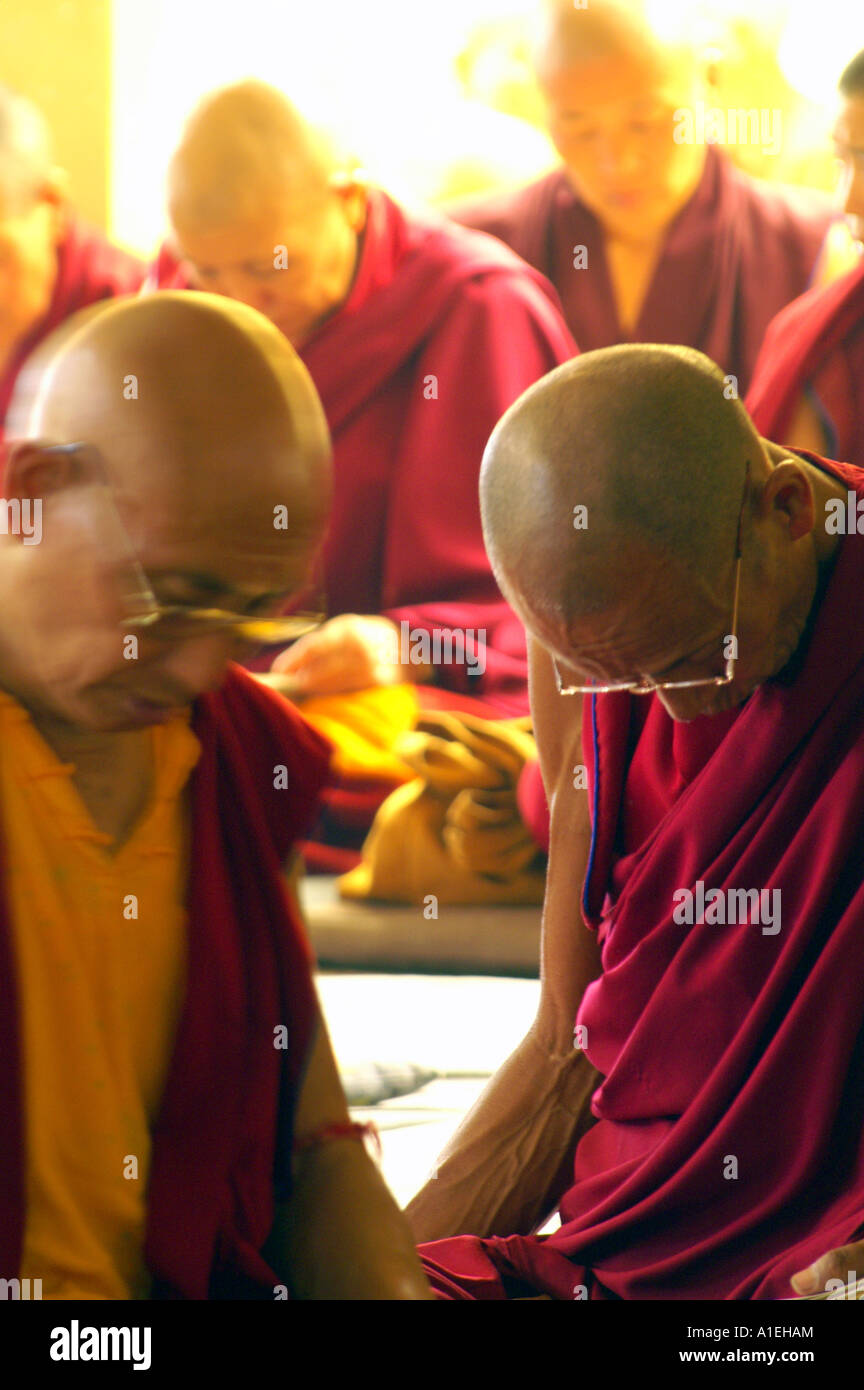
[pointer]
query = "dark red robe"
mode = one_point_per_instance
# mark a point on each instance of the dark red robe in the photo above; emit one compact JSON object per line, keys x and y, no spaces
{"x":222,"y":1143}
{"x":717,"y":1042}
{"x":815,"y":347}
{"x":733,"y":256}
{"x":433,"y":308}
{"x":89,"y":268}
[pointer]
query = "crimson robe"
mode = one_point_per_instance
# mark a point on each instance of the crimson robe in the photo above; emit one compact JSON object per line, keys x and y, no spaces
{"x":717,"y":1042}
{"x":441,"y":332}
{"x":222,"y":1141}
{"x":736,"y":253}
{"x":815,"y":347}
{"x":89,"y":268}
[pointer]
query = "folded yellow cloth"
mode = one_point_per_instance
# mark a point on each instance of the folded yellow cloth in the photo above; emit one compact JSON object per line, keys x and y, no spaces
{"x":364,"y":727}
{"x":455,"y":831}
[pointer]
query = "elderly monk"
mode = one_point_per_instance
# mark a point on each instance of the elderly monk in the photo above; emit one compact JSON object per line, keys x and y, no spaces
{"x":51,"y":264}
{"x":711,"y":1086}
{"x":647,"y":235}
{"x":172,"y":1123}
{"x":807,"y":386}
{"x":418,"y":335}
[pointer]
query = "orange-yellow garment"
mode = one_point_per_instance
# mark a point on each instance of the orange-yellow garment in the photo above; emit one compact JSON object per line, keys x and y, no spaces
{"x":364,"y":727}
{"x":100,"y":944}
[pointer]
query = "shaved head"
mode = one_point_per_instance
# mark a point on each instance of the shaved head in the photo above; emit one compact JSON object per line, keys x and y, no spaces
{"x":265,"y":208}
{"x":193,"y":394}
{"x":645,"y":439}
{"x":613,"y":494}
{"x":605,"y":29}
{"x":32,"y":219}
{"x":26,"y":158}
{"x":210,"y":435}
{"x":244,"y":145}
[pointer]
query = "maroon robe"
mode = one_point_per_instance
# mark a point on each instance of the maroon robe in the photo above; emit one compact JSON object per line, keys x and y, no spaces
{"x":815,"y":348}
{"x":734,"y":255}
{"x":433,"y":309}
{"x":221,"y":1145}
{"x":717,"y":1041}
{"x":89,"y":268}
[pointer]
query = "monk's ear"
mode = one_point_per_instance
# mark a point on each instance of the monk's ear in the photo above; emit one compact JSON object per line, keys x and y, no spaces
{"x":54,"y":193}
{"x":787,"y":492}
{"x":32,"y":469}
{"x":352,"y":189}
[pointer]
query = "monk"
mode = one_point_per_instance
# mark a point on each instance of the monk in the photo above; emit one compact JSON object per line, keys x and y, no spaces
{"x":807,"y":386}
{"x":648,"y":232}
{"x":690,"y":1095}
{"x":52,"y":263}
{"x":172,"y":1122}
{"x":417,"y":335}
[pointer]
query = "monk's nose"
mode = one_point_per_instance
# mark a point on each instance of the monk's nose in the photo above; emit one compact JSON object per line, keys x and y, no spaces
{"x":616,"y":158}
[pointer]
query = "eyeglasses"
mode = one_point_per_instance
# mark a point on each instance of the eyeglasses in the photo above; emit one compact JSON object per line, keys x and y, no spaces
{"x":172,"y":622}
{"x":645,"y":685}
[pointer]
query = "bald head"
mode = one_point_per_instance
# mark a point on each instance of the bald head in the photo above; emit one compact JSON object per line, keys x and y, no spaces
{"x":244,"y":145}
{"x":265,"y":209}
{"x":26,"y":159}
{"x":613,"y":495}
{"x":569,"y":36}
{"x":32,"y":218}
{"x":193,"y":395}
{"x":645,"y":439}
{"x":216,"y":450}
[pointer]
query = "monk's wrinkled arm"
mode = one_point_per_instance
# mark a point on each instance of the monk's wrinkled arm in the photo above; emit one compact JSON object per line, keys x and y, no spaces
{"x":511,"y":1158}
{"x":341,"y":1235}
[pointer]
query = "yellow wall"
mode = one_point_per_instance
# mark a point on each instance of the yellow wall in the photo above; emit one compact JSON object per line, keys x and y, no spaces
{"x":58,"y":53}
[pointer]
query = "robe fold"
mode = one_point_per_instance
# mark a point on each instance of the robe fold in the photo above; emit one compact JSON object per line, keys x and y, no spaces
{"x":736,"y":253}
{"x":89,"y":268}
{"x":222,"y":1142}
{"x":728,"y":1148}
{"x":442,"y":330}
{"x":815,"y":347}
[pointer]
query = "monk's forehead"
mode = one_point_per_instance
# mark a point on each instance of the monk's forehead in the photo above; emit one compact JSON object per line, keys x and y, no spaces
{"x":255,"y":233}
{"x":629,"y":80}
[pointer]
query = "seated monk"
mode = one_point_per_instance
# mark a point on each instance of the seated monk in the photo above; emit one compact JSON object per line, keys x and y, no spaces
{"x":52,"y":264}
{"x":690,"y":1095}
{"x":807,"y":385}
{"x":171,"y":1122}
{"x":649,"y":236}
{"x":417,"y":335}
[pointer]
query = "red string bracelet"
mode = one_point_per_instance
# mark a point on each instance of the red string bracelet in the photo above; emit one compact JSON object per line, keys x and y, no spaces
{"x":346,"y":1130}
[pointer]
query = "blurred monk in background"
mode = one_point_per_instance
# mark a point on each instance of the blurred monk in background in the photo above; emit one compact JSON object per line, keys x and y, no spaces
{"x":50,"y":263}
{"x":418,"y":335}
{"x":809,"y":379}
{"x":171,"y":1121}
{"x":648,"y":232}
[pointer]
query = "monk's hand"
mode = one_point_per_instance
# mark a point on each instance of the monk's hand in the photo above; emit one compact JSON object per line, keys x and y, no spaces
{"x":351,"y":652}
{"x":845,"y":1264}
